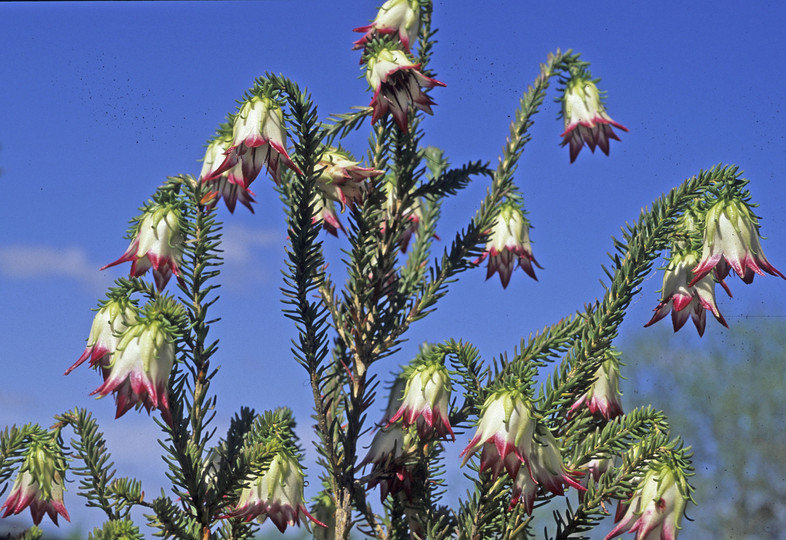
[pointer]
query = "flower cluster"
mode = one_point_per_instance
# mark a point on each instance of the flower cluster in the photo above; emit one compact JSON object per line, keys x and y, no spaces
{"x":508,"y":245}
{"x":39,"y":484}
{"x":510,"y":436}
{"x":157,"y":243}
{"x":655,"y":509}
{"x":586,"y":121}
{"x":135,"y":354}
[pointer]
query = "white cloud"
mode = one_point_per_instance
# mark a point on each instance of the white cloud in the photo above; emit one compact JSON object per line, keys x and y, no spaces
{"x":42,"y":262}
{"x":247,"y":255}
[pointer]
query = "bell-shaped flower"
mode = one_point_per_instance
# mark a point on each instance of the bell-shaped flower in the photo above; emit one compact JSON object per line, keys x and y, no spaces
{"x":39,"y":485}
{"x":258,"y":138}
{"x":157,"y":243}
{"x":508,"y":244}
{"x":686,"y":299}
{"x":388,"y":456}
{"x":341,"y":179}
{"x":585,"y":118}
{"x":656,"y":507}
{"x":276,"y":493}
{"x":397,"y":84}
{"x":545,"y":463}
{"x":732,"y":241}
{"x":230,"y":185}
{"x":400,"y":17}
{"x":525,"y":490}
{"x":426,"y":401}
{"x":603,"y":396}
{"x":505,"y":433}
{"x":138,"y":371}
{"x":593,"y":470}
{"x":412,"y":216}
{"x":110,"y":322}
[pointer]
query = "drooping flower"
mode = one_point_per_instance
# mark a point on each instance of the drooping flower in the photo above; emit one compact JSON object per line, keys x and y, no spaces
{"x":412,"y":216}
{"x":656,"y":507}
{"x":594,"y":468}
{"x":258,"y":138}
{"x":732,"y":241}
{"x":157,"y":243}
{"x":109,"y":323}
{"x":508,"y":244}
{"x":505,"y":433}
{"x":686,"y":299}
{"x":603,"y":396}
{"x":426,"y":401}
{"x":400,"y":17}
{"x":276,"y":493}
{"x":39,"y":485}
{"x":230,"y":185}
{"x":341,"y":179}
{"x":585,"y":118}
{"x":545,"y":463}
{"x":397,"y":84}
{"x":525,"y":490}
{"x":138,"y":371}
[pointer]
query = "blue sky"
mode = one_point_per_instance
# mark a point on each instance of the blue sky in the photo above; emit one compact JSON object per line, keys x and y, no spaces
{"x":101,"y":101}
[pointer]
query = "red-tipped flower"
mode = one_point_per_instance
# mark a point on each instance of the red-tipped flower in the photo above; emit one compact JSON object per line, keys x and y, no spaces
{"x":277,"y":494}
{"x":157,"y":244}
{"x":39,"y":485}
{"x":508,"y":245}
{"x":232,"y":184}
{"x":426,"y":401}
{"x":686,"y":299}
{"x":656,"y":507}
{"x":397,"y":85}
{"x":586,"y":121}
{"x":138,"y":371}
{"x":732,"y":241}
{"x":258,"y":138}
{"x":400,"y":17}
{"x":110,"y":322}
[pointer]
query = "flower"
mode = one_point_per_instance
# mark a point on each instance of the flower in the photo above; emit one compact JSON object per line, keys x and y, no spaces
{"x":426,"y":401}
{"x":111,"y":320}
{"x":585,"y":118}
{"x":508,"y":243}
{"x":157,"y":242}
{"x":525,"y":490}
{"x":504,"y":434}
{"x":276,"y":493}
{"x":341,"y":179}
{"x":139,"y":369}
{"x":231,"y":185}
{"x":656,"y":507}
{"x":388,"y":454}
{"x":395,"y":16}
{"x":732,"y":241}
{"x":686,"y":299}
{"x":258,"y":138}
{"x":545,"y":463}
{"x":603,"y":396}
{"x":397,"y":84}
{"x":39,"y":485}
{"x":413,"y":215}
{"x":595,"y":468}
